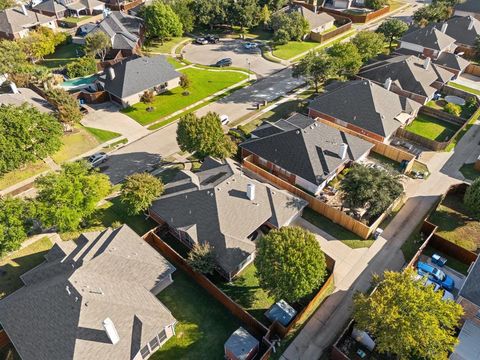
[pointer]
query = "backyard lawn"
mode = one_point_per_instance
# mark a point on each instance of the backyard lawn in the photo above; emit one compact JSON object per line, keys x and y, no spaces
{"x":348,"y":238}
{"x":469,"y":172}
{"x":455,"y":224}
{"x":203,"y":323}
{"x":204,"y":84}
{"x":246,"y":291}
{"x":76,"y":19}
{"x":63,"y":55}
{"x":432,"y":128}
{"x":20,"y":262}
{"x":102,"y":135}
{"x":75,"y":144}
{"x":14,"y":177}
{"x":293,"y":48}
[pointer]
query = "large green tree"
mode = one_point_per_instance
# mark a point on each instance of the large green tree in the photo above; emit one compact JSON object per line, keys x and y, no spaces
{"x":202,"y":258}
{"x":392,"y":29}
{"x":26,"y":134}
{"x":471,"y":198}
{"x":82,"y":66}
{"x":376,"y":4}
{"x":435,"y":12}
{"x":12,"y":56}
{"x":138,"y":192}
{"x":97,"y":44}
{"x":290,"y":264}
{"x":407,"y":318}
{"x":211,"y":12}
{"x":14,"y":223}
{"x":368,"y":187}
{"x":204,"y":136}
{"x":161,"y":21}
{"x":246,"y":13}
{"x":6,"y":4}
{"x":67,"y":107}
{"x":293,"y":24}
{"x":68,"y":197}
{"x":369,"y":44}
{"x":347,"y":58}
{"x":316,"y":69}
{"x":41,"y":42}
{"x":183,"y":9}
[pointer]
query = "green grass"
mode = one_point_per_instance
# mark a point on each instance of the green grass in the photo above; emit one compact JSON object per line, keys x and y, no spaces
{"x":464,"y":88}
{"x":203,"y":323}
{"x":245,"y":290}
{"x":63,"y":55}
{"x":174,"y":62}
{"x":75,"y":20}
{"x":420,"y":167}
{"x":102,"y":135}
{"x":14,"y":177}
{"x":204,"y":83}
{"x":413,"y":243}
{"x":348,"y":238}
{"x":455,"y":223}
{"x":432,"y":128}
{"x":165,"y":48}
{"x":328,"y":30}
{"x":20,"y":262}
{"x":469,"y":172}
{"x":75,"y":144}
{"x":293,"y":48}
{"x":457,"y":138}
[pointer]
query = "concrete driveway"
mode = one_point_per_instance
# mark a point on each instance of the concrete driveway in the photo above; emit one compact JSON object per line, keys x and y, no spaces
{"x":231,"y":48}
{"x":107,"y":116}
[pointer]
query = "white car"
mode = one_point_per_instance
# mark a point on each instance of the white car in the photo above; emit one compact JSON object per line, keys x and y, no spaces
{"x":224,"y":119}
{"x":97,"y":158}
{"x":250,"y":45}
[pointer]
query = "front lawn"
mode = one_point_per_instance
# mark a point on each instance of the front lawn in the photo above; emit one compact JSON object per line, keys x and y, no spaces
{"x":156,"y":46}
{"x":203,"y":323}
{"x":432,"y":128}
{"x":293,"y":48}
{"x":204,"y":84}
{"x":455,"y":224}
{"x":338,"y":232}
{"x":246,"y":291}
{"x":469,"y":172}
{"x":20,"y":262}
{"x":77,"y":143}
{"x":102,"y":135}
{"x":63,"y":55}
{"x":30,"y":170}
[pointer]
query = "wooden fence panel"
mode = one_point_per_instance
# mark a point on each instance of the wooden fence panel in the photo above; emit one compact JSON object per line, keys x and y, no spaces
{"x":447,"y":247}
{"x":473,"y":69}
{"x":359,"y":19}
{"x":4,"y":340}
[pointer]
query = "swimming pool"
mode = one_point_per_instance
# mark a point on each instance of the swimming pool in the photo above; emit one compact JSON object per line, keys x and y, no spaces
{"x":79,"y":83}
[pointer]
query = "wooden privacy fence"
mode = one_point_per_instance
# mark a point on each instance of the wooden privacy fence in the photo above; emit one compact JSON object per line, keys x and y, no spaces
{"x":4,"y":340}
{"x":337,"y":216}
{"x":360,"y":18}
{"x":322,"y":37}
{"x":473,"y":69}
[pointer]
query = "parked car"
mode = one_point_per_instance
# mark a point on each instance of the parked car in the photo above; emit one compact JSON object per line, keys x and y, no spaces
{"x":97,"y":158}
{"x":435,"y":275}
{"x":201,"y":41}
{"x":224,"y":119}
{"x":224,"y":62}
{"x":212,"y":39}
{"x":250,"y":45}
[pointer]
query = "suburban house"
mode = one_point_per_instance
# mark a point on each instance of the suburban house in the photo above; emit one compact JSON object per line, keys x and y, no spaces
{"x":21,"y":96}
{"x":16,"y":23}
{"x":469,"y":298}
{"x":434,"y":43}
{"x":318,"y":22}
{"x":343,"y":4}
{"x":128,"y":79}
{"x":64,"y":8}
{"x":465,"y":31}
{"x":467,"y":8}
{"x":125,"y":33}
{"x":93,"y":298}
{"x":409,"y":76}
{"x":365,"y":107}
{"x":304,"y":152}
{"x":221,"y":206}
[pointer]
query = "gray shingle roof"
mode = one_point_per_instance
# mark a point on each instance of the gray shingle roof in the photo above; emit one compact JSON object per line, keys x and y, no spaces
{"x":240,"y":343}
{"x":314,"y":20}
{"x":133,"y":76}
{"x":311,"y":151}
{"x":365,"y":104}
{"x":212,"y":207}
{"x":14,"y":20}
{"x":471,"y":287}
{"x":468,"y":347}
{"x":408,"y":73}
{"x":123,"y":30}
{"x":58,"y":314}
{"x":429,"y":37}
{"x":452,"y":61}
{"x":458,"y":28}
{"x":52,"y":6}
{"x":468,"y":6}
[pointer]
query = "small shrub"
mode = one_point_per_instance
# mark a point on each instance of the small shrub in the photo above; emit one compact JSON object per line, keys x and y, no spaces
{"x":116,"y":224}
{"x":147,"y":97}
{"x":202,"y":259}
{"x":453,"y":109}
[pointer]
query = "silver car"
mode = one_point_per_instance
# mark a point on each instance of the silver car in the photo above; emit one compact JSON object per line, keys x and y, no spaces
{"x":97,"y":158}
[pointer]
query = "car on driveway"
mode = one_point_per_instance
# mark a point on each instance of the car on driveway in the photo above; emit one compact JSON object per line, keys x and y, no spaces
{"x":97,"y":158}
{"x":224,"y":62}
{"x":435,"y":275}
{"x":250,"y":45}
{"x":212,"y":39}
{"x":201,"y":41}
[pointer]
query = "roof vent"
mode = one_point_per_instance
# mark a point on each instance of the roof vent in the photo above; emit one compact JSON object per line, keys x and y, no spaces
{"x":111,"y":331}
{"x":470,"y":25}
{"x":388,"y":84}
{"x":426,"y":63}
{"x":297,"y":132}
{"x":67,"y":288}
{"x":444,"y":28}
{"x":251,"y":191}
{"x":111,"y":73}
{"x":24,"y":9}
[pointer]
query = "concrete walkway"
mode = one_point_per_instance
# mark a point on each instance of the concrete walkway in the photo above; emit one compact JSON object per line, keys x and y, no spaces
{"x":356,"y":269}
